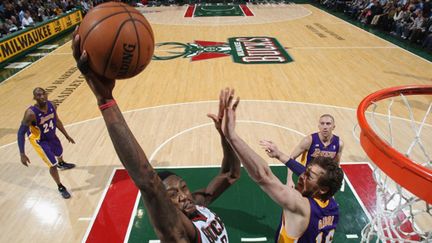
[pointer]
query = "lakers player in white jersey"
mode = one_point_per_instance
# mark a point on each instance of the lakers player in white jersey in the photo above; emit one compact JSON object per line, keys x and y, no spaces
{"x":176,"y":214}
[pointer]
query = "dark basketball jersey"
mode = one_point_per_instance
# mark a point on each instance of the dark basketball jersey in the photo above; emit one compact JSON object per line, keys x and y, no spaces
{"x":44,"y":128}
{"x":322,"y":224}
{"x":317,"y":148}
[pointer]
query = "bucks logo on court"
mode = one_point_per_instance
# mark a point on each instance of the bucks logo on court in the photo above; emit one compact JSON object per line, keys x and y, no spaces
{"x":244,"y":50}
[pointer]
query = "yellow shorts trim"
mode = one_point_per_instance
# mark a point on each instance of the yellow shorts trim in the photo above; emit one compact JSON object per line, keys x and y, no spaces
{"x":40,"y":151}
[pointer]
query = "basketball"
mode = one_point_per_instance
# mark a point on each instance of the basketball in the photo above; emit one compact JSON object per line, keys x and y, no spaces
{"x":118,"y":39}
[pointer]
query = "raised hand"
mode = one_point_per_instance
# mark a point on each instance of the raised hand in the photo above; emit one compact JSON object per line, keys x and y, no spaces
{"x":230,"y":105}
{"x":217,"y":119}
{"x":270,"y":148}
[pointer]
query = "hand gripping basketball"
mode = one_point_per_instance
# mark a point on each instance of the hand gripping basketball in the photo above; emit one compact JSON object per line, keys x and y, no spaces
{"x":118,"y":39}
{"x":101,"y":86}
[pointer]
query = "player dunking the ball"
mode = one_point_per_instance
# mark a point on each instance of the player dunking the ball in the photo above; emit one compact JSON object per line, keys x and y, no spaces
{"x":40,"y":123}
{"x":176,"y":214}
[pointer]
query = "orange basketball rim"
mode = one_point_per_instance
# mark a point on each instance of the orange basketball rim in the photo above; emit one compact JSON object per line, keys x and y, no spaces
{"x":410,"y":175}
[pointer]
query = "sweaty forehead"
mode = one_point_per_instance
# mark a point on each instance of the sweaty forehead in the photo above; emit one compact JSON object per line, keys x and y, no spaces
{"x":172,"y":181}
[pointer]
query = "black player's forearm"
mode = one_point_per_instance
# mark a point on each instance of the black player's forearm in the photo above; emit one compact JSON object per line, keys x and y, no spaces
{"x":164,"y":216}
{"x":230,"y":161}
{"x":127,"y":148}
{"x":228,"y":175}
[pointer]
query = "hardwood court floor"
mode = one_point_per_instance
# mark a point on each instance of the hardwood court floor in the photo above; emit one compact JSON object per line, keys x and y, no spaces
{"x":335,"y":65}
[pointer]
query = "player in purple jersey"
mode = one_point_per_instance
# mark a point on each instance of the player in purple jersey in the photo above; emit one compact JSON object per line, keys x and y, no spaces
{"x":323,"y":143}
{"x":176,"y":214}
{"x":310,"y":213}
{"x":40,"y":122}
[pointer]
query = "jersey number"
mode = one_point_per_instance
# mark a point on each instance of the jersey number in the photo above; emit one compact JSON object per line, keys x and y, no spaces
{"x":328,"y":238}
{"x":224,"y":239}
{"x":48,"y":126}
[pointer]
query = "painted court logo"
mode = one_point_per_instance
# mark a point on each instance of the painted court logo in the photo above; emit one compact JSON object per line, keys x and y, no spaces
{"x":244,"y":50}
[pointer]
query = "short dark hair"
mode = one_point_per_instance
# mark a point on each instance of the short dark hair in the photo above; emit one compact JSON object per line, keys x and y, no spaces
{"x":165,"y":174}
{"x":333,"y":176}
{"x":36,"y":89}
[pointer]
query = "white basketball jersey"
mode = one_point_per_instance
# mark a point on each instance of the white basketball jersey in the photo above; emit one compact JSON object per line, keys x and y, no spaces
{"x":209,"y":227}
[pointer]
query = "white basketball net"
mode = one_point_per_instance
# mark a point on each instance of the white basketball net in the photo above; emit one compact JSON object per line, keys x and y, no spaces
{"x":400,"y":216}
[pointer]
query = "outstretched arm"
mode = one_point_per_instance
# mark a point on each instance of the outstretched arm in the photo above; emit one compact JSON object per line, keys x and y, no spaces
{"x":170,"y":224}
{"x":167,"y":220}
{"x":273,"y":152}
{"x":287,"y":197}
{"x":230,"y":168}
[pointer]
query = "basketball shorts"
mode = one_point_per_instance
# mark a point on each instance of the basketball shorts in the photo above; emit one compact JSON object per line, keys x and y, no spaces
{"x":48,"y":150}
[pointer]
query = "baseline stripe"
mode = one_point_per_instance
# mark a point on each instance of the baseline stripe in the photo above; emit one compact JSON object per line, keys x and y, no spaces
{"x":259,"y":239}
{"x":190,"y":11}
{"x":246,"y":10}
{"x":360,"y":176}
{"x":112,"y":220}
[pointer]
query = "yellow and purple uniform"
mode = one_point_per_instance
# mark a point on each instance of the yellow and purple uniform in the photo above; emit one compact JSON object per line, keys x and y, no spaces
{"x":322,"y":224}
{"x":42,"y":135}
{"x":317,"y":148}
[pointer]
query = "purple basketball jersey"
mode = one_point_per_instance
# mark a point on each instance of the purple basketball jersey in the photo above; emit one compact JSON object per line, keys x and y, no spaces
{"x":323,"y":221}
{"x":45,"y":126}
{"x":317,"y":148}
{"x":322,"y":224}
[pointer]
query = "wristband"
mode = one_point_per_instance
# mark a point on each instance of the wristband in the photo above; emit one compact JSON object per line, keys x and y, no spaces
{"x":107,"y":105}
{"x":295,"y":166}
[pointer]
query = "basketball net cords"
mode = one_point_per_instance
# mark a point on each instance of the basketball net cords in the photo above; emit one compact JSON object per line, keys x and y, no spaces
{"x":417,"y":131}
{"x":354,"y":132}
{"x":378,"y":131}
{"x":395,"y":207}
{"x":415,"y":128}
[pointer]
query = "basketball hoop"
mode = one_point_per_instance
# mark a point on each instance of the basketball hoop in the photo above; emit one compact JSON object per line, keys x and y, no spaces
{"x":404,"y":183}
